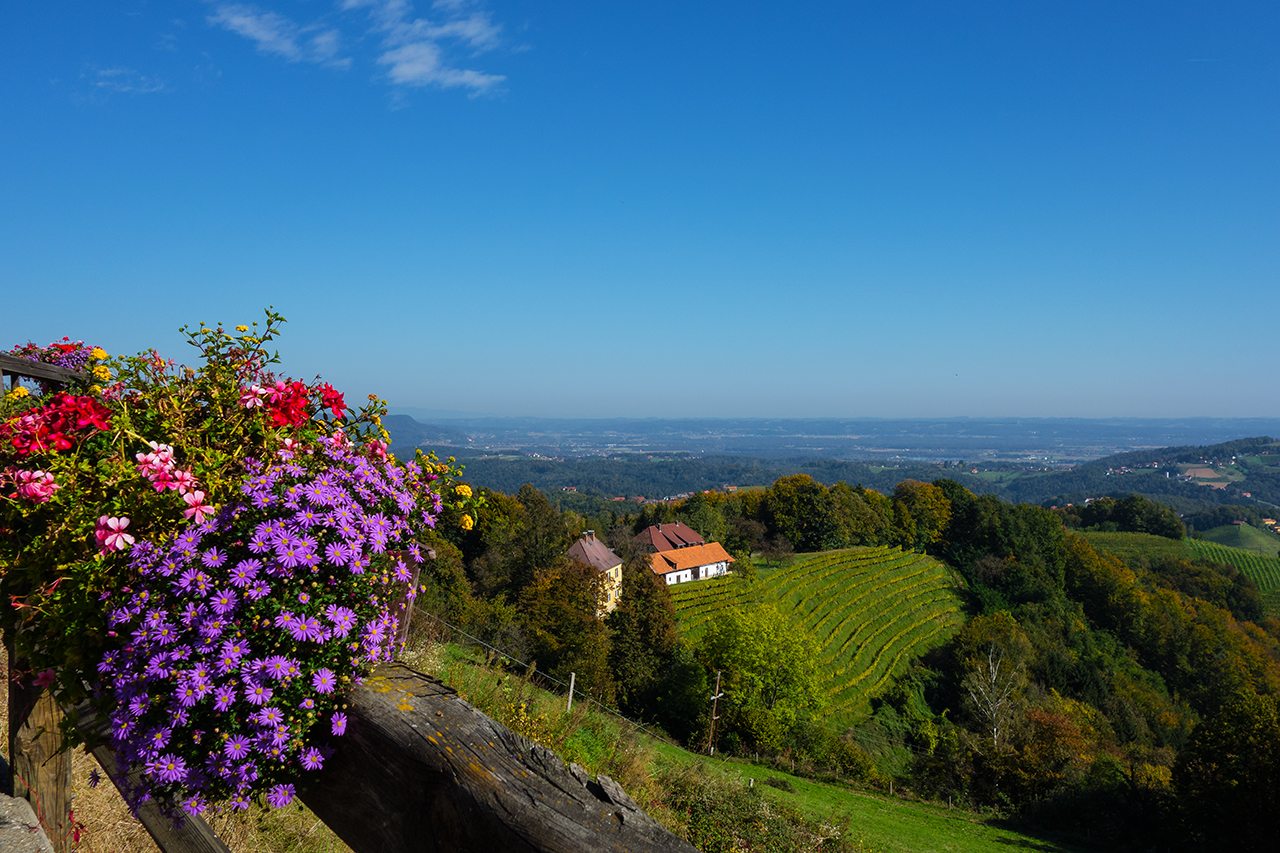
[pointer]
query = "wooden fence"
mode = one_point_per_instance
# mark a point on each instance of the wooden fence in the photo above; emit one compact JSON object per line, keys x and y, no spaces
{"x":419,"y":770}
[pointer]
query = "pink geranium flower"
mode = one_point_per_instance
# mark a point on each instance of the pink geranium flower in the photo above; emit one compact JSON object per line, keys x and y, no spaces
{"x":196,"y":507}
{"x":110,"y":534}
{"x":36,"y":486}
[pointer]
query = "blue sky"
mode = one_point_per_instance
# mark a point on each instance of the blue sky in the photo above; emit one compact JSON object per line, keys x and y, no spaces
{"x":663,"y":209}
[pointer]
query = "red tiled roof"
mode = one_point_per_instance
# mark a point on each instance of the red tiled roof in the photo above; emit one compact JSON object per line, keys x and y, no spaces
{"x":594,"y":553}
{"x":666,"y":537}
{"x":679,"y":559}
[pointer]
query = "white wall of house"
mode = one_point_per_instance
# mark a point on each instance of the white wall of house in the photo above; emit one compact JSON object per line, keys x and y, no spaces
{"x":679,"y":577}
{"x":713,"y":570}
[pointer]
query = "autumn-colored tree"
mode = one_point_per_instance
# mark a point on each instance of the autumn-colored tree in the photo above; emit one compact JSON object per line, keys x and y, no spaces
{"x":920,"y":514}
{"x":800,"y":508}
{"x":1228,"y":778}
{"x":558,"y":612}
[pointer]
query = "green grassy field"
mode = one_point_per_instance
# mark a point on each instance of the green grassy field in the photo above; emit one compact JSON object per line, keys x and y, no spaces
{"x":606,"y":743}
{"x":870,"y":610}
{"x":1245,"y":536}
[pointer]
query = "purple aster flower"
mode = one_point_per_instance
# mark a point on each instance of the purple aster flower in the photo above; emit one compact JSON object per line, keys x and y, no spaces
{"x":257,"y":694}
{"x":306,"y":517}
{"x":169,"y":768}
{"x":223,"y":697}
{"x":245,"y":572}
{"x":187,"y":580}
{"x":402,"y":572}
{"x":339,"y":553}
{"x":213,"y":558}
{"x":187,"y":695}
{"x":324,"y":680}
{"x":309,"y":629}
{"x":239,"y":802}
{"x":312,"y":759}
{"x":269,"y":717}
{"x":343,"y":619}
{"x":258,"y":590}
{"x":159,"y":738}
{"x":276,"y":666}
{"x":338,"y":723}
{"x":260,"y":543}
{"x":307,"y":704}
{"x":224,"y":602}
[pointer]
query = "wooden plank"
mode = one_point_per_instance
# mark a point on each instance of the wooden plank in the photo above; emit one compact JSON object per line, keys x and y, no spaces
{"x":421,"y":771}
{"x":12,"y":365}
{"x":190,"y":835}
{"x":41,"y":770}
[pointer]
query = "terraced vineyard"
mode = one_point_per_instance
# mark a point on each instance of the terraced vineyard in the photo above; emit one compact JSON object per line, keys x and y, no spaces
{"x":871,"y":610}
{"x":1265,"y":571}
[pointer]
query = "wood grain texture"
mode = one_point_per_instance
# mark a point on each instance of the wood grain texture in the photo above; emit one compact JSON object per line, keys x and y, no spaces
{"x":422,"y":771}
{"x":11,"y":365}
{"x":190,"y":835}
{"x":41,"y":770}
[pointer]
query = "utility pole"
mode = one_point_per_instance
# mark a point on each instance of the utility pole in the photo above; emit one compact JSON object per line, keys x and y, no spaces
{"x":715,"y":700}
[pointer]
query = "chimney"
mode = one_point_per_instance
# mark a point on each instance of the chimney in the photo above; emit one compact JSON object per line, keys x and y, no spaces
{"x":591,"y":536}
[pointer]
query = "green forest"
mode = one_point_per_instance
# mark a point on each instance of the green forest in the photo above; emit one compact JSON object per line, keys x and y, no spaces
{"x":1129,"y":699}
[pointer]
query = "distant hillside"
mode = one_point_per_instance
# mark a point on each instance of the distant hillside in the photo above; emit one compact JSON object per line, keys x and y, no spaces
{"x":406,"y":433}
{"x":1245,"y":537}
{"x":1248,"y":471}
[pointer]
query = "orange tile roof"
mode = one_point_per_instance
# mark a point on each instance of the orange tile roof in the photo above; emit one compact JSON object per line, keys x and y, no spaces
{"x":679,"y":559}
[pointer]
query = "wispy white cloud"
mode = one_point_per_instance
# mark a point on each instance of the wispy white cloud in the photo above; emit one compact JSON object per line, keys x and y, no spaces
{"x":413,"y":48}
{"x":415,"y":51}
{"x":274,"y":34}
{"x":122,"y":80}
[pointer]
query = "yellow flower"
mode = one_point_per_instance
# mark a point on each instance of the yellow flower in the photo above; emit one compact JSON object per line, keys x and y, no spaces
{"x":463,"y":491}
{"x":95,"y":389}
{"x":386,"y":436}
{"x":101,"y":371}
{"x":467,"y":523}
{"x":242,"y":328}
{"x":377,"y":420}
{"x":98,"y":353}
{"x":19,"y":392}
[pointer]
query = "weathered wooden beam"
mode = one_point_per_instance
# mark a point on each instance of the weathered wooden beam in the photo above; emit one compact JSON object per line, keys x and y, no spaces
{"x":41,"y":769}
{"x":190,"y":835}
{"x":11,"y":365}
{"x":422,"y":771}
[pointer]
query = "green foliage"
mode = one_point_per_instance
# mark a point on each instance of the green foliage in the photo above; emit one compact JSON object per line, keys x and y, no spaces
{"x":563,"y":632}
{"x":1133,"y":514}
{"x":1228,"y":778}
{"x":770,"y":670}
{"x":801,"y":509}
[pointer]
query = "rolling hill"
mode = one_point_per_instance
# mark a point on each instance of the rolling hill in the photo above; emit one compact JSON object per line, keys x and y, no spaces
{"x":871,"y":611}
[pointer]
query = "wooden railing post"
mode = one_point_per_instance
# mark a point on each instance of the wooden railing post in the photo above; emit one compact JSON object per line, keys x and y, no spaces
{"x":41,"y":769}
